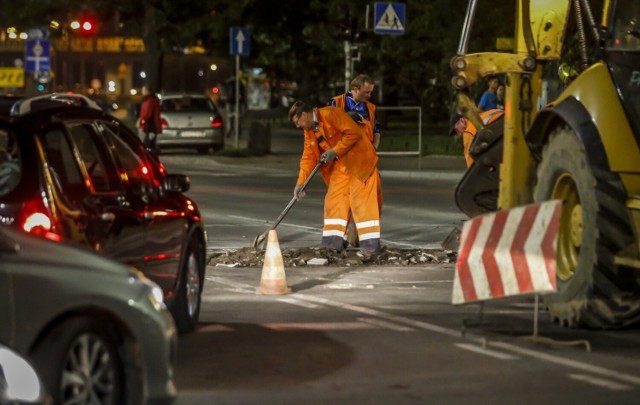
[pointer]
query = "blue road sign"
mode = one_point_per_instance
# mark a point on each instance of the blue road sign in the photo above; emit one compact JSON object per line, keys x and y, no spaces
{"x":37,"y":55}
{"x":389,"y":18}
{"x":240,"y":41}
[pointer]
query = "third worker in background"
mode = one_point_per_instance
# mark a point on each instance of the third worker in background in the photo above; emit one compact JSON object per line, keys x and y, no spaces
{"x":356,"y":101}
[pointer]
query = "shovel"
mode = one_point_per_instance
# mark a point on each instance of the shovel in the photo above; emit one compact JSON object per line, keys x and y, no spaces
{"x":259,"y":240}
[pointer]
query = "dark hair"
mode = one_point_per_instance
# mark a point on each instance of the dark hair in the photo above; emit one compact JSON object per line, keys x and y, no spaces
{"x":360,"y":81}
{"x":298,"y":108}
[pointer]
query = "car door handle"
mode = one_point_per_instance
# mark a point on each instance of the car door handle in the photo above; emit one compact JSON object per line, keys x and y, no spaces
{"x":108,"y":216}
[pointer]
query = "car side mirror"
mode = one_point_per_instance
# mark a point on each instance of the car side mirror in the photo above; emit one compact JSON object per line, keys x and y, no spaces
{"x":177,"y":183}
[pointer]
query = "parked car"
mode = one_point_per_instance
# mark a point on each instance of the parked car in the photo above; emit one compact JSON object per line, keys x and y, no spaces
{"x":190,"y":121}
{"x":96,"y":331}
{"x":68,"y":168}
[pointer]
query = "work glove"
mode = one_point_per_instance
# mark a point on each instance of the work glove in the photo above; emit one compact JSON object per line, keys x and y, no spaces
{"x":329,"y":156}
{"x":298,"y":191}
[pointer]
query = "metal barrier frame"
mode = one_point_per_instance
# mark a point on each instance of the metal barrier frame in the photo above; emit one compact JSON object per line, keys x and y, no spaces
{"x":406,"y":153}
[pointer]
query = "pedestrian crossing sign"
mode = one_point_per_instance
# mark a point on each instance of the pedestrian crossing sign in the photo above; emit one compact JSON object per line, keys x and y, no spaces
{"x":389,"y":18}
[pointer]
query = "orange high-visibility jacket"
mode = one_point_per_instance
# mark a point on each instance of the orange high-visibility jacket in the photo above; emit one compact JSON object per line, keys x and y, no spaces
{"x":470,"y":131}
{"x":337,"y":130}
{"x":371,"y":108}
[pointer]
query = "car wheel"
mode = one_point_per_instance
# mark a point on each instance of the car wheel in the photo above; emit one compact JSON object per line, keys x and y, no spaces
{"x":218,"y":148}
{"x":78,"y":362}
{"x":186,"y":309}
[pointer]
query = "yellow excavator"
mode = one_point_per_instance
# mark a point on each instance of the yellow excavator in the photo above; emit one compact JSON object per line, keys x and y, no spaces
{"x":581,"y":146}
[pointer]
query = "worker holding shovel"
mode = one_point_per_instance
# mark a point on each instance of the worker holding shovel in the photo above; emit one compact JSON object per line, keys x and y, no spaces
{"x":350,"y":172}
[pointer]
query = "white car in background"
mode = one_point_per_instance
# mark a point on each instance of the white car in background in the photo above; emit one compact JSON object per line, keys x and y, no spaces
{"x":190,"y":121}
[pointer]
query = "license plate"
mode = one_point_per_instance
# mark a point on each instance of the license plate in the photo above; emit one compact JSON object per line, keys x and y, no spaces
{"x":192,"y":134}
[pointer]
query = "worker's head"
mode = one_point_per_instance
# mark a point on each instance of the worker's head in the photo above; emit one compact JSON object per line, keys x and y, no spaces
{"x":493,"y":83}
{"x":457,"y":124}
{"x":500,"y":92}
{"x":362,"y":87}
{"x":301,"y":114}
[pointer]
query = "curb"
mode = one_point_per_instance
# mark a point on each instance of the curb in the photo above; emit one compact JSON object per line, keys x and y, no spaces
{"x":422,"y":175}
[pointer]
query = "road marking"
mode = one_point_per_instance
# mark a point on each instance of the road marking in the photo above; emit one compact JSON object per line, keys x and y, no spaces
{"x":215,"y":328}
{"x":600,"y":382}
{"x":299,"y":303}
{"x":487,"y":352}
{"x":630,"y":378}
{"x":387,"y":325}
{"x":578,"y":365}
{"x":323,"y":326}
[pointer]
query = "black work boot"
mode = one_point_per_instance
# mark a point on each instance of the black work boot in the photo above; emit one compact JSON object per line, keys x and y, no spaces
{"x":333,"y":243}
{"x":370,"y":247}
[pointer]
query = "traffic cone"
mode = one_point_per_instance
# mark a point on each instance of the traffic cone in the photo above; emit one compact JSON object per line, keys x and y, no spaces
{"x":273,"y":280}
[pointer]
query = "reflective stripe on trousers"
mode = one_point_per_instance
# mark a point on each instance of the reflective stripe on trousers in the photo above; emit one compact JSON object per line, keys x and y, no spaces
{"x":348,"y":193}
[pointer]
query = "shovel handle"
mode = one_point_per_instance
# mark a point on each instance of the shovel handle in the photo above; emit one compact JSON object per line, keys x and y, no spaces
{"x":294,"y":199}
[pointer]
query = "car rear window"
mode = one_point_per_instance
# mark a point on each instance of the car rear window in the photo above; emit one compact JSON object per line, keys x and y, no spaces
{"x":62,"y":163}
{"x":187,"y":104}
{"x":10,"y":163}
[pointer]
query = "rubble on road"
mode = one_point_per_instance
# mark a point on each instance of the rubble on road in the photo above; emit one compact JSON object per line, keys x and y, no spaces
{"x":297,"y":257}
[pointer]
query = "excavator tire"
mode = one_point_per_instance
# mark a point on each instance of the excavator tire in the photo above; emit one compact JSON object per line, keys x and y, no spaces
{"x":593,"y":291}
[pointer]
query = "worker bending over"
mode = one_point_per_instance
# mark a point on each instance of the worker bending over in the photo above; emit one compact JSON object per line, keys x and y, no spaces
{"x":350,"y":172}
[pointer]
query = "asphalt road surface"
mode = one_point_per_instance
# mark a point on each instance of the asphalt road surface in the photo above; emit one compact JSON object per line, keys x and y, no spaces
{"x":373,"y":334}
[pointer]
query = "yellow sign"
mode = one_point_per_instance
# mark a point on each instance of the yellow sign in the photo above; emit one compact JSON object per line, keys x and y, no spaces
{"x":11,"y":77}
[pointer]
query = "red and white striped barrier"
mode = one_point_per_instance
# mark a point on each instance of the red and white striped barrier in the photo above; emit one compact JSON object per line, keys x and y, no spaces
{"x":508,"y":253}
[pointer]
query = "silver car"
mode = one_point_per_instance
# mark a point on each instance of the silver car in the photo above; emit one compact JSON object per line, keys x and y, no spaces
{"x":192,"y":121}
{"x":96,"y":331}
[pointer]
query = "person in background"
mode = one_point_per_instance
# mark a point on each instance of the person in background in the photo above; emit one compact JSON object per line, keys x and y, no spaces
{"x":500,"y":95}
{"x":357,"y":100}
{"x":350,"y":171}
{"x":356,"y":103}
{"x":149,"y":122}
{"x":489,"y":99}
{"x":466,"y":130}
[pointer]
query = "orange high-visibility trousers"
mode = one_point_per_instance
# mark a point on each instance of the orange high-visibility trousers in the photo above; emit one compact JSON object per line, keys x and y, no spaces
{"x":345,"y":193}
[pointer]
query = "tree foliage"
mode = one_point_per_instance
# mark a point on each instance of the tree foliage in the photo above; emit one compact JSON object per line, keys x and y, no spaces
{"x":301,"y":40}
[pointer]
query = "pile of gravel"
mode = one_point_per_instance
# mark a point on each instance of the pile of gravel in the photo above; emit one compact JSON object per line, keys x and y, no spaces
{"x":252,"y":257}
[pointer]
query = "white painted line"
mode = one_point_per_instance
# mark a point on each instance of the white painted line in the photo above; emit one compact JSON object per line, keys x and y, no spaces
{"x":578,"y":365}
{"x":387,"y":325}
{"x":487,"y":352}
{"x":215,"y":328}
{"x":568,"y":363}
{"x":238,"y":287}
{"x":323,"y":326}
{"x":380,"y":314}
{"x":600,"y":382}
{"x":299,"y":303}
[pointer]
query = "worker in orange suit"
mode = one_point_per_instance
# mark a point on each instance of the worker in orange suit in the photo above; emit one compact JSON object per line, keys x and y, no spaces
{"x":357,"y":101}
{"x":465,"y":128}
{"x":350,"y":171}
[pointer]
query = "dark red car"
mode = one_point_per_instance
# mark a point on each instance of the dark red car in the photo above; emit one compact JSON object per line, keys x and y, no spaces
{"x":71,"y":170}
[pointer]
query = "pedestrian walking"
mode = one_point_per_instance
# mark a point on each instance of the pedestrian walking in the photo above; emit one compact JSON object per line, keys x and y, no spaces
{"x":149,"y":122}
{"x":349,"y":171}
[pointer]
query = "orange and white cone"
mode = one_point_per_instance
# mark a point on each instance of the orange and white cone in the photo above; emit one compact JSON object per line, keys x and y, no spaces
{"x":273,"y":280}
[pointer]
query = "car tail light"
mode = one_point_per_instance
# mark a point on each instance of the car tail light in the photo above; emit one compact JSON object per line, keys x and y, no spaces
{"x":217,"y":122}
{"x":164,"y":123}
{"x":36,"y":218}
